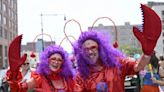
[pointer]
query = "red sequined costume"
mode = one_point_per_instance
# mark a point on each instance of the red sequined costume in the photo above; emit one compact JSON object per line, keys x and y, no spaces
{"x":43,"y":79}
{"x":112,"y":76}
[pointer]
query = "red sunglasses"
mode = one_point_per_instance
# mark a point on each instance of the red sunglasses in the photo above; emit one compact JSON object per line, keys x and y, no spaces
{"x":92,"y":48}
{"x":56,"y":59}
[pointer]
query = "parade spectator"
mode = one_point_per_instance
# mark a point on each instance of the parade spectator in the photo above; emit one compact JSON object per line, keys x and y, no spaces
{"x":148,"y":85}
{"x":3,"y":83}
{"x":26,"y":71}
{"x":161,"y":73}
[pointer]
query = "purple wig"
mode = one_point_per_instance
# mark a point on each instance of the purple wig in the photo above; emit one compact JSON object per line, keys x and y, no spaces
{"x":107,"y":53}
{"x":43,"y":67}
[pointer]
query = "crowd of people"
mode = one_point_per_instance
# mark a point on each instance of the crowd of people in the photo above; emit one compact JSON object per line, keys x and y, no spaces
{"x":3,"y":83}
{"x":100,"y":66}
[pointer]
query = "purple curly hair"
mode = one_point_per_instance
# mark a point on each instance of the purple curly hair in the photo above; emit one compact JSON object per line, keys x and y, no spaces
{"x":107,"y":52}
{"x":43,"y":67}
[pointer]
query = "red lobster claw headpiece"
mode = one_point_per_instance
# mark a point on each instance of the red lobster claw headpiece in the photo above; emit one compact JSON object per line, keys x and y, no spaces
{"x":15,"y":59}
{"x":151,"y":30}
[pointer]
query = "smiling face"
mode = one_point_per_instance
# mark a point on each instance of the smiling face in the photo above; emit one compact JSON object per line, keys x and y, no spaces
{"x":55,"y":62}
{"x":91,"y":49}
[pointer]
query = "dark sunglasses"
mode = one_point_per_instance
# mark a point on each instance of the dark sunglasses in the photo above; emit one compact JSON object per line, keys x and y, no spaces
{"x":26,"y":63}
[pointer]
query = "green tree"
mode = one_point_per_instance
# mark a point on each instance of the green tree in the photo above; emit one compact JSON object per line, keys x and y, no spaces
{"x":130,"y":51}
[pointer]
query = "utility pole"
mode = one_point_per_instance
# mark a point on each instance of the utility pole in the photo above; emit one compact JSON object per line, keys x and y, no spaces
{"x":42,"y":30}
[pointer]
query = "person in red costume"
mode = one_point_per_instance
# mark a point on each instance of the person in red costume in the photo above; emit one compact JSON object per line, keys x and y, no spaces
{"x":102,"y":68}
{"x":53,"y":73}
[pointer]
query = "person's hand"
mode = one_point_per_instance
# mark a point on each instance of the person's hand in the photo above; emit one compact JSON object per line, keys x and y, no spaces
{"x":154,"y":80}
{"x":15,"y":59}
{"x":152,"y":28}
{"x":142,"y":73}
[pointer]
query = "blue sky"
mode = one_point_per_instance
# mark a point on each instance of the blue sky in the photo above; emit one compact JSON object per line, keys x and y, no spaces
{"x":84,"y":11}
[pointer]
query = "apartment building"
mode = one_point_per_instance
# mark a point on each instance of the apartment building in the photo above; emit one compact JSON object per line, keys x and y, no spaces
{"x":8,"y":27}
{"x":37,"y":46}
{"x":124,"y":34}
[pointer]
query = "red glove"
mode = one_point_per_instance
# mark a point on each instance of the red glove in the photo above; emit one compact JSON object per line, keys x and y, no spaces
{"x":152,"y":28}
{"x":15,"y":60}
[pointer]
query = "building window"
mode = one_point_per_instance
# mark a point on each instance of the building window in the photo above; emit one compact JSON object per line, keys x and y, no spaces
{"x":11,"y":15}
{"x":4,"y":7}
{"x":9,"y":23}
{"x":14,"y":5}
{"x":1,"y":32}
{"x":8,"y":1}
{"x":0,"y":4}
{"x":163,"y":16}
{"x":5,"y":51}
{"x":0,"y":19}
{"x":15,"y":17}
{"x":10,"y":36}
{"x":5,"y":34}
{"x":6,"y":63}
{"x":4,"y":20}
{"x":9,"y":12}
{"x":11,"y":3}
